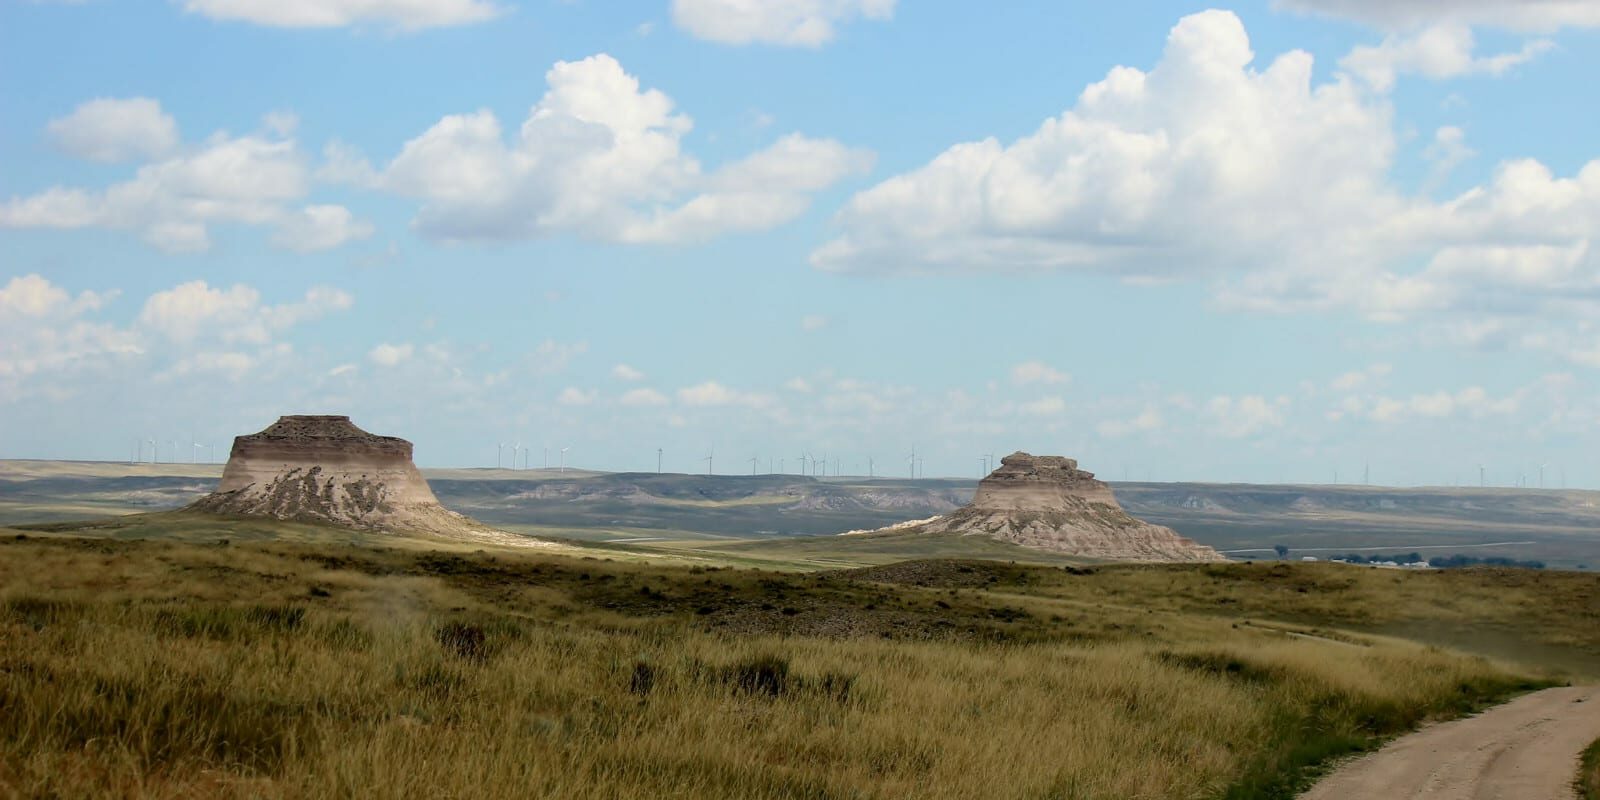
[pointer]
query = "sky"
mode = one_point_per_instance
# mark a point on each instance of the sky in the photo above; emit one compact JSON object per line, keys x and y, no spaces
{"x":1278,"y":241}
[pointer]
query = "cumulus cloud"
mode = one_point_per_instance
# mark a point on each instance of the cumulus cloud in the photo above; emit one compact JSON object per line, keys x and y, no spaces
{"x":1045,"y":406}
{"x":48,"y":335}
{"x":172,"y":199}
{"x":389,"y":355}
{"x":1145,"y":421}
{"x":1246,"y":415}
{"x":1275,"y":189}
{"x":1357,"y":379}
{"x":1037,"y":372}
{"x":406,"y":15}
{"x":794,"y":23}
{"x":643,"y":397}
{"x":1441,"y":51}
{"x":1473,"y":401}
{"x":113,"y":129}
{"x":600,"y":157}
{"x":813,"y":322}
{"x":623,"y":372}
{"x":1521,"y":15}
{"x":319,"y":227}
{"x":196,"y":310}
{"x":573,"y":396}
{"x":714,"y":394}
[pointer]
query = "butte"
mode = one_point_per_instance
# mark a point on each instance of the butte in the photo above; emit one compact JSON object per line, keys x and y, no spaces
{"x":323,"y":469}
{"x":1047,"y":503}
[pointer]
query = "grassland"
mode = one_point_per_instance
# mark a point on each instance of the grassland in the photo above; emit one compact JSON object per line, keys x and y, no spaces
{"x":284,"y":669}
{"x":1589,"y":776}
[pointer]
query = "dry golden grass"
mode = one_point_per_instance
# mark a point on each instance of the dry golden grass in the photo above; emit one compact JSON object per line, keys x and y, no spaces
{"x":1589,"y":775}
{"x":179,"y":670}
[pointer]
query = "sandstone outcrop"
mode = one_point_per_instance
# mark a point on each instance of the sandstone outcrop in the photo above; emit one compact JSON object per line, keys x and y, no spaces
{"x":1046,"y":502}
{"x":324,"y":469}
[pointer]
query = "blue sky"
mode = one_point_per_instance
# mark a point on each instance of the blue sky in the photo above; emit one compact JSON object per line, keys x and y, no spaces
{"x":1253,"y":242}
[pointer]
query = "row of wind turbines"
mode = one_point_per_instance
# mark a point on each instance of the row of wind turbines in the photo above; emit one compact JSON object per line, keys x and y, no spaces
{"x":809,"y":464}
{"x":526,"y":455}
{"x":136,"y":453}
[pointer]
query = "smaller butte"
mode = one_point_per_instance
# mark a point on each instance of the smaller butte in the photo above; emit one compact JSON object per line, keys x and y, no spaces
{"x":324,"y":469}
{"x":1047,"y":503}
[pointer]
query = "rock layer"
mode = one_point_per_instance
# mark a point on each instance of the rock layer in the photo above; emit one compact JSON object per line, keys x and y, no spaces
{"x":1046,"y":502}
{"x":325,"y":469}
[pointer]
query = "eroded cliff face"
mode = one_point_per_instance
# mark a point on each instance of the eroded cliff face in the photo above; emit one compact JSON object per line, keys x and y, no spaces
{"x":1046,"y":502}
{"x":324,"y":469}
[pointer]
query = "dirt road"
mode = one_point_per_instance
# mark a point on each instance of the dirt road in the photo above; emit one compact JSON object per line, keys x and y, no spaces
{"x":1526,"y":749}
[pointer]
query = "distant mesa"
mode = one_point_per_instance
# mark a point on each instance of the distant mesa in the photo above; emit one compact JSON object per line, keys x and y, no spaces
{"x":324,"y":469}
{"x":1047,"y":503}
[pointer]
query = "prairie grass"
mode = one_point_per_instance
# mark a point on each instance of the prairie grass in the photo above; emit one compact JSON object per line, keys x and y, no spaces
{"x":144,"y":669}
{"x":1589,"y":774}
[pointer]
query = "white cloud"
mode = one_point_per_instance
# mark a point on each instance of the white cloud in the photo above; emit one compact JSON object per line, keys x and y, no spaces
{"x":1522,"y":15}
{"x":1045,"y":406}
{"x":643,"y":397}
{"x":1037,"y":372}
{"x":600,"y":157}
{"x":713,"y":394}
{"x":320,"y":227}
{"x":389,"y":355}
{"x":116,"y":129}
{"x":1145,"y":421}
{"x":183,"y":312}
{"x":802,"y":23}
{"x":1473,"y":401}
{"x":551,"y":356}
{"x":399,"y":14}
{"x":1358,"y":378}
{"x":1247,"y":415}
{"x":800,"y":385}
{"x":48,"y":336}
{"x":196,"y":310}
{"x":173,"y":199}
{"x":623,"y":372}
{"x":1437,"y":52}
{"x":1200,"y":164}
{"x":343,"y":369}
{"x":1276,"y":189}
{"x":813,"y":322}
{"x":573,"y":396}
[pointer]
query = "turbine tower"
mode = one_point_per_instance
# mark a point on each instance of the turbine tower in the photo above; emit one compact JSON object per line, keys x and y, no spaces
{"x":709,"y":460}
{"x":658,"y":461}
{"x":753,"y":461}
{"x":564,"y":459}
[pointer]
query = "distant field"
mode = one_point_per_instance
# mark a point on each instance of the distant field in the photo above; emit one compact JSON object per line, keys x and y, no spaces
{"x":1560,"y":528}
{"x":266,"y":669}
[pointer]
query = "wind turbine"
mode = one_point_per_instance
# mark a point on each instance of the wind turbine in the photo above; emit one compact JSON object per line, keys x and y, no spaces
{"x":804,"y":458}
{"x":911,"y":462}
{"x":564,"y":459}
{"x":988,"y":467}
{"x":658,"y":461}
{"x":499,"y":453}
{"x":193,"y":446}
{"x":708,"y":459}
{"x":753,"y":461}
{"x":1541,"y":475}
{"x":870,"y":468}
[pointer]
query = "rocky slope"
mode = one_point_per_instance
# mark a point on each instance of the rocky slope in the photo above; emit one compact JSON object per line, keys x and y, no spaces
{"x":325,"y":469}
{"x":1046,"y":502}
